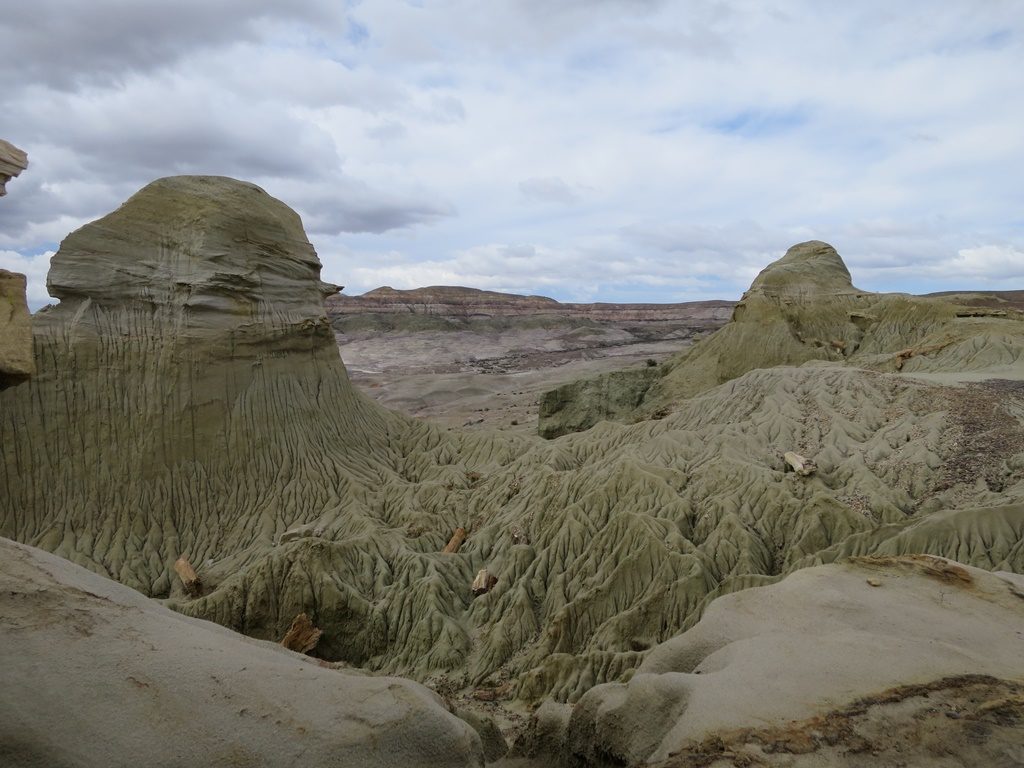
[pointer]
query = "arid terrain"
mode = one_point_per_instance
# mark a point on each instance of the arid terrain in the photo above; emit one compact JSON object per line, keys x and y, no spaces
{"x":796,"y":540}
{"x":479,"y":359}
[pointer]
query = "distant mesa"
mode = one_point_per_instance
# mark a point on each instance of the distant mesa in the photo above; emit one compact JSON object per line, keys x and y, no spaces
{"x":459,"y":302}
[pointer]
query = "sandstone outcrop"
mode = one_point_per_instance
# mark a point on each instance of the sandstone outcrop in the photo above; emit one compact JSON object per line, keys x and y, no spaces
{"x":190,"y":402}
{"x":12,"y":162}
{"x":16,"y":359}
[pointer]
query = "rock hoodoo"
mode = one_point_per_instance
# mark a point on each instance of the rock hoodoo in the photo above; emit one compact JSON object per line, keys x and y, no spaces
{"x":801,"y":308}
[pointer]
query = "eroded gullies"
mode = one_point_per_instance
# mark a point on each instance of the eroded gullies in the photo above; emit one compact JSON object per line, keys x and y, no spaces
{"x":198,"y":407}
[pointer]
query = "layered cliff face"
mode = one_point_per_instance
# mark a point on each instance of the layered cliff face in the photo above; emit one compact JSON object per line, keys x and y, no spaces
{"x":454,"y":303}
{"x":799,"y":309}
{"x":192,"y":403}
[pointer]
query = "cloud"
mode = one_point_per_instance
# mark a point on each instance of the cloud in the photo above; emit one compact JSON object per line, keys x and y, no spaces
{"x":66,"y":44}
{"x":34,"y":268}
{"x":548,"y":190}
{"x":350,"y":206}
{"x":656,"y":150}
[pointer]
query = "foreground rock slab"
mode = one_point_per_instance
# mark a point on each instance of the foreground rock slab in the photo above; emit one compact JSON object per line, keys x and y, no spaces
{"x":814,"y":665}
{"x":94,"y":674}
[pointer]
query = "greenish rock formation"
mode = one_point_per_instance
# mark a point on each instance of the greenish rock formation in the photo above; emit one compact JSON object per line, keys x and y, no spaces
{"x":190,"y":401}
{"x":804,"y":308}
{"x":581,"y":404}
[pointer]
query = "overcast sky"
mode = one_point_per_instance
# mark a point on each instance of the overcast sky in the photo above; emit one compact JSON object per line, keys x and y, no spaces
{"x":618,"y":150}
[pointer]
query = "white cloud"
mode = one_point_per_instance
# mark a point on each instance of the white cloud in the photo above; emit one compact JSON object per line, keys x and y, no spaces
{"x":657,"y":149}
{"x":550,"y":189}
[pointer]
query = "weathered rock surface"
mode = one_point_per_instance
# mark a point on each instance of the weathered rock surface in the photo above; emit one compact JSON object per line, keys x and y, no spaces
{"x":16,"y":360}
{"x":12,"y":162}
{"x":804,"y":308}
{"x":200,"y":258}
{"x":823,"y":668}
{"x":204,"y":412}
{"x":94,"y":674}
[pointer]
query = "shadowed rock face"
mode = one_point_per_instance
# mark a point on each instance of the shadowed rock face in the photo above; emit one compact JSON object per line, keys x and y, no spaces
{"x":16,"y":361}
{"x":184,"y":416}
{"x":188,"y":356}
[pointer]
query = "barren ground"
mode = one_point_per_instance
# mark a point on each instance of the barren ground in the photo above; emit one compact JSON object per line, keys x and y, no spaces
{"x":489,"y":380}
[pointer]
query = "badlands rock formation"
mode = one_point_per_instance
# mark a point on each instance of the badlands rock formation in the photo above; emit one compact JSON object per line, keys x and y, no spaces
{"x":805,"y":308}
{"x":190,"y":402}
{"x":481,"y":359}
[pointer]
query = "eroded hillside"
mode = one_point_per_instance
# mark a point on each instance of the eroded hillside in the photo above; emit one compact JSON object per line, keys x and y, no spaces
{"x":189,"y":401}
{"x":802,"y":308}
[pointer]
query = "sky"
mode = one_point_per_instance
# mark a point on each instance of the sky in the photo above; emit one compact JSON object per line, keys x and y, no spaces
{"x":588,"y":150}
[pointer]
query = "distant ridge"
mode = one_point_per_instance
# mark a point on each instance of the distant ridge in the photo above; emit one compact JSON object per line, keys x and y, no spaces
{"x":459,"y":301}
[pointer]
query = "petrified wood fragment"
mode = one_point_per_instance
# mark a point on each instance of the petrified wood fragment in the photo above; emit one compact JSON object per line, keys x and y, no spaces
{"x":301,"y":636}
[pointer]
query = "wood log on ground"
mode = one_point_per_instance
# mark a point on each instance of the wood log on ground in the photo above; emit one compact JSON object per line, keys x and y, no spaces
{"x":484,"y":582}
{"x":189,"y":577}
{"x":301,"y":636}
{"x":455,"y":541}
{"x":801,"y":465}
